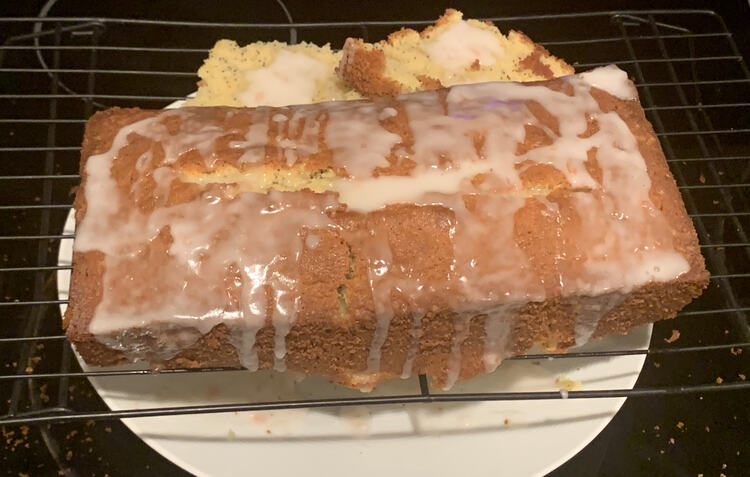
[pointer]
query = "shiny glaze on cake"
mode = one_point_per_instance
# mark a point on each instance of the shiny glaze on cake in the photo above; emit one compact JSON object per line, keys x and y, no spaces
{"x":433,"y":232}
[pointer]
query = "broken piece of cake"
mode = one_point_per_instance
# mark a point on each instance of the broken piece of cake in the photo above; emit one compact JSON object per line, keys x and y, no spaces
{"x":450,"y":52}
{"x":453,"y":51}
{"x":269,"y":74}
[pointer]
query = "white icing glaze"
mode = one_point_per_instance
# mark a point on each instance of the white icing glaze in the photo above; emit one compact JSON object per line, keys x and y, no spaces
{"x":199,"y":254}
{"x":248,"y":245}
{"x":387,"y":113}
{"x":590,"y":312}
{"x":460,"y":44}
{"x":497,"y":328}
{"x":380,"y":259}
{"x":357,"y":140}
{"x":461,"y":331}
{"x":411,"y":356}
{"x":369,"y":194}
{"x":612,"y":80}
{"x":290,"y":79}
{"x":312,"y":240}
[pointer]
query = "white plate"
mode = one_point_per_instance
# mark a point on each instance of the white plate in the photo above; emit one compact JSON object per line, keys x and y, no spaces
{"x":524,"y":438}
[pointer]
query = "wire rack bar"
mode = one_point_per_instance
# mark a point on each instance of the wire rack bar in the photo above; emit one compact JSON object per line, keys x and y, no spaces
{"x":704,"y":132}
{"x":41,"y":177}
{"x":122,"y":97}
{"x":399,"y":23}
{"x":19,"y":339}
{"x":526,"y":357}
{"x":381,"y":400}
{"x":708,"y":158}
{"x":697,"y":106}
{"x":39,"y":148}
{"x":38,"y":237}
{"x":645,"y":84}
{"x":617,"y":39}
{"x":38,"y":268}
{"x":173,"y":50}
{"x":35,"y":206}
{"x":41,"y":120}
{"x":660,"y":60}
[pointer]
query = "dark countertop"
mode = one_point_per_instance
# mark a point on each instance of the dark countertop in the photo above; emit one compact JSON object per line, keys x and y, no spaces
{"x":682,"y":435}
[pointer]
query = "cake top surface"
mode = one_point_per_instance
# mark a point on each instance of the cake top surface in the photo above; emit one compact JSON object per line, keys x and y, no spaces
{"x":469,"y":197}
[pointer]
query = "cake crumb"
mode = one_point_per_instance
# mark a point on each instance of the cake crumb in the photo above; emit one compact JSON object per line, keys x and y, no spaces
{"x":656,"y":427}
{"x":702,"y":178}
{"x":69,"y":455}
{"x":657,"y":364}
{"x":506,"y":422}
{"x":675,"y":336}
{"x":565,"y":383}
{"x":719,"y":380}
{"x":680,"y":425}
{"x":708,"y":429}
{"x":741,"y":376}
{"x":231,"y":435}
{"x":268,"y":431}
{"x":107,"y":429}
{"x":735,"y":351}
{"x":723,"y":466}
{"x":671,"y":440}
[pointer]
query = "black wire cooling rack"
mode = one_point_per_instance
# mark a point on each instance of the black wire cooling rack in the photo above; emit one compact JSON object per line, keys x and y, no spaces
{"x":55,"y":72}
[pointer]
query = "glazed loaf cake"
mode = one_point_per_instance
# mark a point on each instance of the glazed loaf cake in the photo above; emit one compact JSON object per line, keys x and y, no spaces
{"x":435,"y":232}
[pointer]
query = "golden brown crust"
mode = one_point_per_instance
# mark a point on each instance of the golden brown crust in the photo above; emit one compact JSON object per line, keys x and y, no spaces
{"x":364,"y":70}
{"x":533,"y":62}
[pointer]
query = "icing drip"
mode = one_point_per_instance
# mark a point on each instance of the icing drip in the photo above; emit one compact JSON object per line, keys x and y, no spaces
{"x":355,"y":137}
{"x":290,"y":79}
{"x":591,"y":310}
{"x":460,"y":333}
{"x":460,"y":44}
{"x":411,"y":355}
{"x":380,"y":259}
{"x":610,"y":79}
{"x":497,"y":327}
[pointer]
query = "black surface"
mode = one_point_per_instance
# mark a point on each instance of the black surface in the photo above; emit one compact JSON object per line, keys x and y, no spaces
{"x":670,"y":436}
